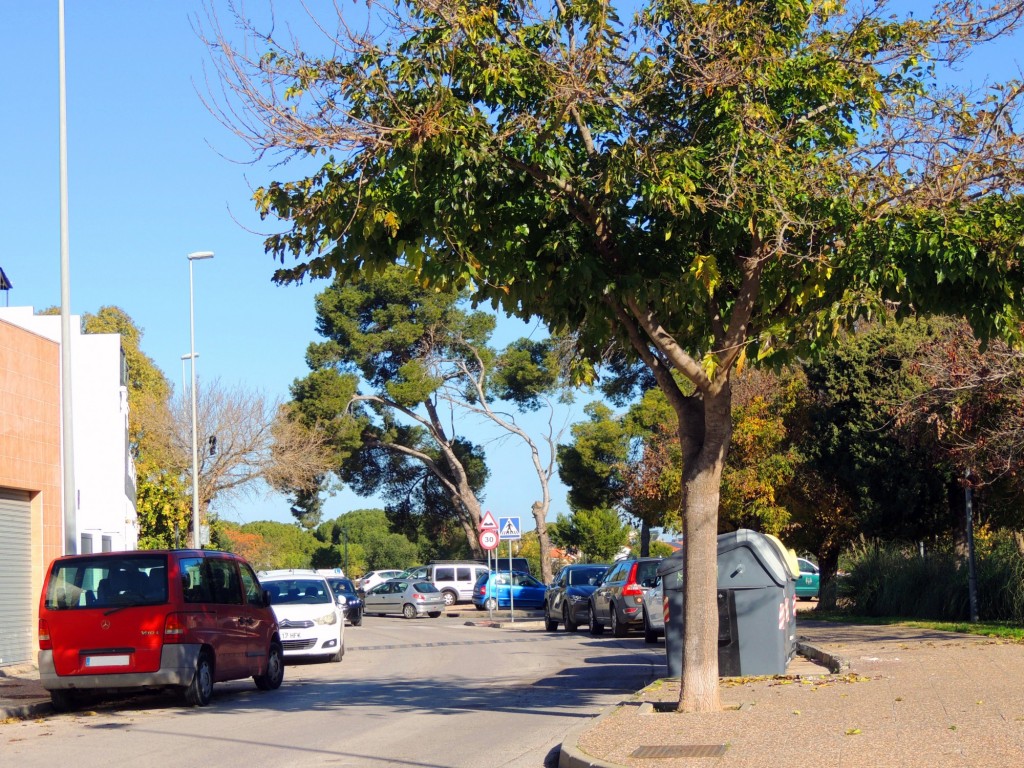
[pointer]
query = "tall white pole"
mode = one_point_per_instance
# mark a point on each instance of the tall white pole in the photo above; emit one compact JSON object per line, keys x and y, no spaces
{"x":196,"y":532}
{"x":67,"y":433}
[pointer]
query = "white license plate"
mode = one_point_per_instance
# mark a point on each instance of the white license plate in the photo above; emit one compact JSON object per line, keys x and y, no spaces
{"x":291,"y":635}
{"x":120,"y":660}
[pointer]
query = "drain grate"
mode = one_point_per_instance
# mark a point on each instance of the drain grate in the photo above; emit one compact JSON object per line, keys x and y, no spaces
{"x":681,"y":750}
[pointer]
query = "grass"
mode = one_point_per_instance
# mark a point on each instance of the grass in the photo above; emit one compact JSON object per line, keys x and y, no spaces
{"x":1001,"y":630}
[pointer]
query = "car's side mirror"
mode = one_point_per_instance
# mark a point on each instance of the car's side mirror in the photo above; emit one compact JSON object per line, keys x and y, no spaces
{"x":341,"y":601}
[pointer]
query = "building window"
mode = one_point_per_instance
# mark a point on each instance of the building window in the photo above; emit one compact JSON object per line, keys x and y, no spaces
{"x":108,"y":544}
{"x":86,"y":544}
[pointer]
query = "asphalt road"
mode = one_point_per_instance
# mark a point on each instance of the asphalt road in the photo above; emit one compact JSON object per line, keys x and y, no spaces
{"x":427,"y":692}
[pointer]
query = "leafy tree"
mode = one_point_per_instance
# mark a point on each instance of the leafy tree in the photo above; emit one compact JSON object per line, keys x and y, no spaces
{"x":711,"y":184}
{"x":598,"y":535}
{"x":414,"y":363}
{"x":288,"y":545}
{"x":248,"y":544}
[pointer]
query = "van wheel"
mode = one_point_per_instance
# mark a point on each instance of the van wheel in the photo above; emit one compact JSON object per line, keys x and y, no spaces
{"x":596,"y":627}
{"x":409,"y":611}
{"x":199,"y":692}
{"x":450,"y":598}
{"x":271,"y":679}
{"x":63,"y":700}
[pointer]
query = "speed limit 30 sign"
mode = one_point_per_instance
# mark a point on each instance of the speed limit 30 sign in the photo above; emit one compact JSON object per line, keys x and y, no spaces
{"x":489,"y":539}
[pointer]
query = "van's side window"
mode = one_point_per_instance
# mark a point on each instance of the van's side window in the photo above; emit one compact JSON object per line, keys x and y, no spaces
{"x":253,"y":591}
{"x":224,"y":582}
{"x":444,"y":574}
{"x":195,"y":583}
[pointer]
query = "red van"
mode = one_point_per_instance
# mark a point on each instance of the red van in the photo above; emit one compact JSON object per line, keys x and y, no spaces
{"x":175,"y":619}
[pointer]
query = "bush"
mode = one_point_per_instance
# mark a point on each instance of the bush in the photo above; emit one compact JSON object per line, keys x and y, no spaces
{"x":887,"y":579}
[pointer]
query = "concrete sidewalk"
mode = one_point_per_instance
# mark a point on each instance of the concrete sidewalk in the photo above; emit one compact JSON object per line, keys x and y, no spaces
{"x":905,"y":698}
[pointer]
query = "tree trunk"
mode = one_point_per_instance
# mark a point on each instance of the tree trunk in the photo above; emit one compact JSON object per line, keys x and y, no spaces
{"x":704,"y":431}
{"x":540,"y":513}
{"x":828,"y":565}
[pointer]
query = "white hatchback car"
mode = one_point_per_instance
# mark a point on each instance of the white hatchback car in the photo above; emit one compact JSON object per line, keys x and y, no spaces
{"x":310,"y":617}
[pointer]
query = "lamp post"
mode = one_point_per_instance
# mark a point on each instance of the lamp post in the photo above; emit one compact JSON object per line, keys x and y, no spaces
{"x":192,"y":257}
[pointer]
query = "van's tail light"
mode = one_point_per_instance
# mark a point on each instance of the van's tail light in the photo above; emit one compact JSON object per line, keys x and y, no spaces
{"x":45,"y":644}
{"x":175,"y":627}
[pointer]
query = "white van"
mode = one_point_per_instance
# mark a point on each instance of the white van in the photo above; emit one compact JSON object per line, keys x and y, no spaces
{"x":455,"y":578}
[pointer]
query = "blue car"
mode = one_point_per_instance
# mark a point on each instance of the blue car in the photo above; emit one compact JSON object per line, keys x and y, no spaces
{"x":503,"y":589}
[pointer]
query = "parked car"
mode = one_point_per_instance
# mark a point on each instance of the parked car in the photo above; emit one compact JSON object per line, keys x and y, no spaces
{"x":409,"y":597}
{"x":309,"y":614}
{"x":373,"y":578}
{"x":508,"y":589}
{"x":618,"y":599}
{"x":353,"y":602}
{"x":455,"y":578}
{"x":566,"y":598}
{"x":654,"y":612}
{"x":160,"y":619}
{"x":807,"y":582}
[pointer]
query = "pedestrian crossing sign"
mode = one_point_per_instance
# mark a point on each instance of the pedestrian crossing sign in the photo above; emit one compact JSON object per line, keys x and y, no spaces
{"x":508,"y":528}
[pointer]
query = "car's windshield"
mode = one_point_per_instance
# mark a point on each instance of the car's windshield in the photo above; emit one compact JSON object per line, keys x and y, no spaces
{"x":297,"y":591}
{"x":578,"y":576}
{"x":105,"y":582}
{"x":343,"y":587}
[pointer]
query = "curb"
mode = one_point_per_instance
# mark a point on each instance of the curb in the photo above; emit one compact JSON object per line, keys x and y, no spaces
{"x":24,"y":711}
{"x":571,"y":756}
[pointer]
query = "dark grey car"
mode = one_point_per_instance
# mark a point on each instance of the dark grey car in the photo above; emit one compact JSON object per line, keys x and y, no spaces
{"x":566,"y":599}
{"x":618,"y":600}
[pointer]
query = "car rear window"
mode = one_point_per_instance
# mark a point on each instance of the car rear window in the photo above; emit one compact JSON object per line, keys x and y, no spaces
{"x":579,"y":576}
{"x":424,"y":586}
{"x":647,"y":573}
{"x":105,"y":582}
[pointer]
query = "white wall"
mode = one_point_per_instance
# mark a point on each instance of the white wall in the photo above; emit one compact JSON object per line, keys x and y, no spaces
{"x":104,"y":469}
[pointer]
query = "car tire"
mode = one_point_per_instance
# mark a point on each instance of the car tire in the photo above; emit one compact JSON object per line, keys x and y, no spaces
{"x":199,"y":692}
{"x":409,"y":611}
{"x":650,"y":635}
{"x":357,"y":619}
{"x":596,"y":627}
{"x":551,"y":625}
{"x":272,"y":677}
{"x":491,"y":604}
{"x":569,"y":620}
{"x":450,"y":598}
{"x":63,"y":700}
{"x":339,"y":655}
{"x":435,"y":614}
{"x":618,"y":628}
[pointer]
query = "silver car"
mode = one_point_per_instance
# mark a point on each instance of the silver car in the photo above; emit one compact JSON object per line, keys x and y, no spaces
{"x":654,"y":613}
{"x":409,"y":597}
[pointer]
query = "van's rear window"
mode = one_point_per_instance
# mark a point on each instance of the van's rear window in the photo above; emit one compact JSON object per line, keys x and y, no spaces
{"x":107,"y":582}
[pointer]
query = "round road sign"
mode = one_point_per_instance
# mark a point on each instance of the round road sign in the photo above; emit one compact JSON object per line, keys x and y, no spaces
{"x":489,"y":539}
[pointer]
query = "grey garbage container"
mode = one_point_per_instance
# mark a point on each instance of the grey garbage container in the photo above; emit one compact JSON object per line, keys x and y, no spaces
{"x":756,"y":605}
{"x":671,"y":572}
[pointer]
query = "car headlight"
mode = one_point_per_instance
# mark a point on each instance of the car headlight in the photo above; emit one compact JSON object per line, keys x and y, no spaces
{"x":328,"y":618}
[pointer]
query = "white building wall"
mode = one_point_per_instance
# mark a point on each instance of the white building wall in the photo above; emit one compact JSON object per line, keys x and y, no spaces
{"x":104,"y":469}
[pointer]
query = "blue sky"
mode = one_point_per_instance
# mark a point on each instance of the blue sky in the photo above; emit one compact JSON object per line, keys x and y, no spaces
{"x":152,"y":177}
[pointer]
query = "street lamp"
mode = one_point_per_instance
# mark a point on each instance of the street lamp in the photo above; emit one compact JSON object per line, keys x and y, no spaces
{"x":192,"y":257}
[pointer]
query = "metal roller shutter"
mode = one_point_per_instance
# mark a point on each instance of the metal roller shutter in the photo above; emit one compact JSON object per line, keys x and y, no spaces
{"x":15,"y":577}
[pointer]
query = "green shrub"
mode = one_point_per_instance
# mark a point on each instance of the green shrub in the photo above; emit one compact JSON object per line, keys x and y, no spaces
{"x":886,"y":579}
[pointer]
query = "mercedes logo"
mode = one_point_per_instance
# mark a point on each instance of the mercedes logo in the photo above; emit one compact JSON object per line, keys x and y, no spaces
{"x":105,"y":624}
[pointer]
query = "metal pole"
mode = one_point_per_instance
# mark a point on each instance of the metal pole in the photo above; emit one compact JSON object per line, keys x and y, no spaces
{"x":972,"y":573}
{"x":511,"y":597}
{"x":67,"y":432}
{"x":196,"y":529}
